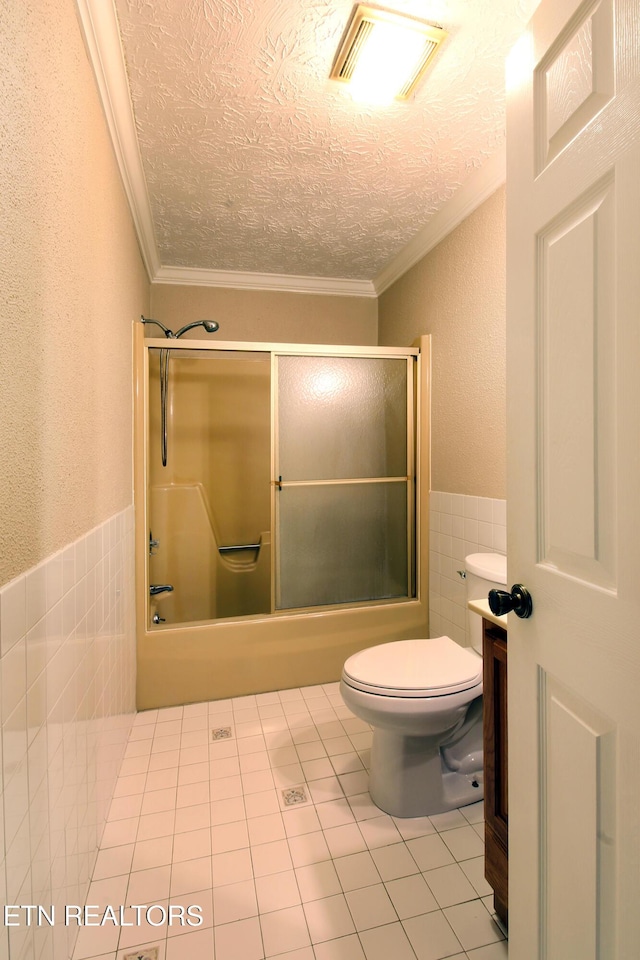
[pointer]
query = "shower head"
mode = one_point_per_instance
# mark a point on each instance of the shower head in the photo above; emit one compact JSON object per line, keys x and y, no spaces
{"x":209,"y":325}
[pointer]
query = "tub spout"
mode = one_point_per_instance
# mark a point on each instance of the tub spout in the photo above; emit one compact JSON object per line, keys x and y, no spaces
{"x":156,"y":588}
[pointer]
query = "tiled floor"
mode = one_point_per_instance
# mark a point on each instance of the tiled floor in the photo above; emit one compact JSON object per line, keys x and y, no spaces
{"x":203,"y":821}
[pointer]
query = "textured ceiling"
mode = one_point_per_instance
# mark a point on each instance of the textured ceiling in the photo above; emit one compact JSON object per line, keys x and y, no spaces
{"x":255,"y":161}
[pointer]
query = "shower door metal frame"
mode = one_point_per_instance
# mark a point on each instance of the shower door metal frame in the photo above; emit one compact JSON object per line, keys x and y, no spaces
{"x":412,"y":358}
{"x":180,"y":662}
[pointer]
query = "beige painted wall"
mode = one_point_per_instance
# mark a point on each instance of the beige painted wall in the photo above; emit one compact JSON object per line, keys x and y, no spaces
{"x":72,"y":282}
{"x":267,"y":315}
{"x":457,"y":294}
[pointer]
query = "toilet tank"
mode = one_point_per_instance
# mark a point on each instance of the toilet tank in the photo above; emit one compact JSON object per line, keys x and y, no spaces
{"x":484,"y":572}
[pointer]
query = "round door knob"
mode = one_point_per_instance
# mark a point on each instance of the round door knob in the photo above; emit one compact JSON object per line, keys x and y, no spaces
{"x":519,"y":600}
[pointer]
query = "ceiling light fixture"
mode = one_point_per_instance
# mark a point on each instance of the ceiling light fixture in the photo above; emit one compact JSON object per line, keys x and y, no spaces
{"x":384,"y":54}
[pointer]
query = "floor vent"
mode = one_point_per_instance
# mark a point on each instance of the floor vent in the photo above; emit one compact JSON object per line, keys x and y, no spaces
{"x":144,"y":953}
{"x":293,"y":796}
{"x":221,"y":733}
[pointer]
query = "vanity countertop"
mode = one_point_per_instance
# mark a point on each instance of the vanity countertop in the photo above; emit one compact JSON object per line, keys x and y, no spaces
{"x":482,"y":607}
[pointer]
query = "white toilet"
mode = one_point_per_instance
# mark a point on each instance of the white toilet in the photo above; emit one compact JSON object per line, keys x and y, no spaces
{"x":423,"y":699}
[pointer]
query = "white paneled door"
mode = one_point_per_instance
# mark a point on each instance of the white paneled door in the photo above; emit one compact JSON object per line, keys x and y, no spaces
{"x":573,"y":304}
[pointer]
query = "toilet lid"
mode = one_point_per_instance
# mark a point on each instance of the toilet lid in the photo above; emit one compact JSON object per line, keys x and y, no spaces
{"x":414,"y":668}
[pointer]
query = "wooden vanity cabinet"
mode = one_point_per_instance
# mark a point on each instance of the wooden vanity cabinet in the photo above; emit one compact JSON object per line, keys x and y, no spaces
{"x":494,"y":645}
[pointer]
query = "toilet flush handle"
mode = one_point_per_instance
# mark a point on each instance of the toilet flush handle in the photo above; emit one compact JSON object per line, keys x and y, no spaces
{"x":519,"y":600}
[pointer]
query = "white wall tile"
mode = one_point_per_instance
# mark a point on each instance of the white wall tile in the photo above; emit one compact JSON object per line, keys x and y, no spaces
{"x":67,"y":678}
{"x":460,"y":525}
{"x":13,"y":613}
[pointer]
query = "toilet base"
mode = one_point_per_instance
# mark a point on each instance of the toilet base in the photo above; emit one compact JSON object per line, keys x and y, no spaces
{"x":408,"y":777}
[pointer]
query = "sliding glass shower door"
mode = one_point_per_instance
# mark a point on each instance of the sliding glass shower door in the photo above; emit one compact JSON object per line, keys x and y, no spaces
{"x":344,"y":479}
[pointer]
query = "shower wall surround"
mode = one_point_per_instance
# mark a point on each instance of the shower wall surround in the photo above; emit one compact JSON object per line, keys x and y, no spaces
{"x":459,"y":525}
{"x":67,"y":680}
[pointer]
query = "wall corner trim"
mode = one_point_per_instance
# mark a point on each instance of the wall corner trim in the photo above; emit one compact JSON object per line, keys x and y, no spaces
{"x":289,"y":283}
{"x":477,"y":188}
{"x":99,"y":24}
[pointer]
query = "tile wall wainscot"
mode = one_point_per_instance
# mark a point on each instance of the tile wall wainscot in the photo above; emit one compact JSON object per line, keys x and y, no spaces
{"x":67,"y":680}
{"x":459,"y":525}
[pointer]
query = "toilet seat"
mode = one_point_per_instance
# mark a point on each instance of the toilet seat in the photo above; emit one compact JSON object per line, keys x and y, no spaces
{"x":414,"y":668}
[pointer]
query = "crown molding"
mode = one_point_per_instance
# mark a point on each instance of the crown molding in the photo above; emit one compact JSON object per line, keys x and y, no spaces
{"x":101,"y":32}
{"x":474,"y":191}
{"x":288,"y":283}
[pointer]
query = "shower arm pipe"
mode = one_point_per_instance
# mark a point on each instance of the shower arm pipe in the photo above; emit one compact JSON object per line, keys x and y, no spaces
{"x":210,"y":326}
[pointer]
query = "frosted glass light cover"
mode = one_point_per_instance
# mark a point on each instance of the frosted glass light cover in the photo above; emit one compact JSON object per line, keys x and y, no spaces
{"x":342,"y":417}
{"x":342,"y":543}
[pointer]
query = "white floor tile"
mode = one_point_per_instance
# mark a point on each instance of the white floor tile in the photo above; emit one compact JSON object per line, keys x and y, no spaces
{"x":464,"y":843}
{"x":379,"y":832}
{"x":190,"y":876}
{"x":266,"y":829}
{"x":115,"y":861}
{"x":414,"y":827}
{"x":300,"y":820}
{"x":317,"y":769}
{"x":191,"y":845}
{"x":474,"y":812}
{"x":196,"y":945}
{"x":283,"y":931}
{"x":202,"y":899}
{"x":261,"y":804}
{"x":449,"y":885}
{"x":192,"y":818}
{"x":154,"y":825}
{"x":472,"y":925}
{"x":148,"y":886}
{"x":430,"y":852}
{"x":231,"y":867}
{"x":431,"y":936}
{"x":119,"y":832}
{"x":239,"y":941}
{"x":328,"y":919}
{"x":381,"y":943}
{"x":394,"y":861}
{"x":161,"y":779}
{"x":225,"y":787}
{"x":335,"y":813}
{"x":313,"y":750}
{"x":494,"y":951}
{"x":317,"y":881}
{"x":411,"y":896}
{"x":346,"y":763}
{"x":448,"y":821}
{"x":357,"y":870}
{"x":343,"y":841}
{"x":277,"y":891}
{"x":158,"y":801}
{"x":95,"y":940}
{"x":229,"y":836}
{"x":326,"y":789}
{"x":308,"y":848}
{"x":345,"y":948}
{"x":203,"y":822}
{"x":235,"y":901}
{"x":370,"y":907}
{"x":474,"y":871}
{"x":271,"y":858}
